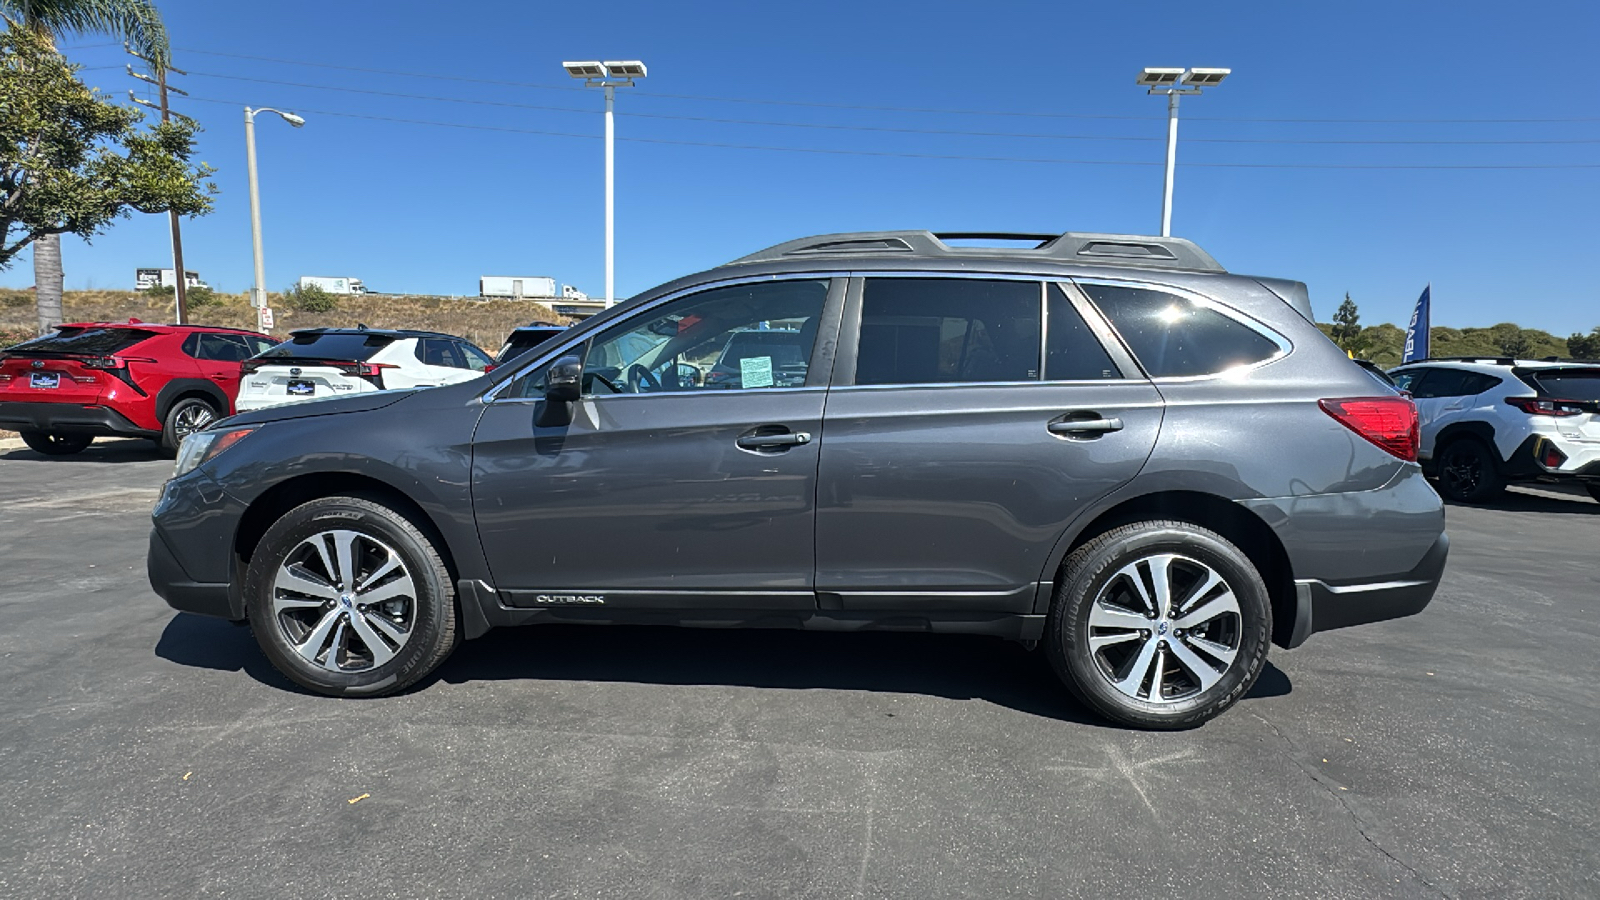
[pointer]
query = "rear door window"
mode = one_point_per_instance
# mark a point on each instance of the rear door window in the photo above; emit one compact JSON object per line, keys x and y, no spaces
{"x":220,"y":348}
{"x":1174,"y":336}
{"x":340,"y":346}
{"x":476,"y":359}
{"x":948,"y":331}
{"x":1072,"y":352}
{"x":84,"y":341}
{"x":1443,"y":383}
{"x":440,"y":352}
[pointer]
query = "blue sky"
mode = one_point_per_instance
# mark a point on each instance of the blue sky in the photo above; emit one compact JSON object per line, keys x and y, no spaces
{"x":996,"y":116}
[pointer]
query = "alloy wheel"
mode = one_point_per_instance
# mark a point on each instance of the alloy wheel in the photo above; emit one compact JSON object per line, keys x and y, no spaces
{"x":1165,"y":628}
{"x":1462,"y":471}
{"x":191,"y":419}
{"x":344,"y":601}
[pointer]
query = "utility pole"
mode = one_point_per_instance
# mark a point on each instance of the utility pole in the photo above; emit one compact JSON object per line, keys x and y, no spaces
{"x":160,"y":81}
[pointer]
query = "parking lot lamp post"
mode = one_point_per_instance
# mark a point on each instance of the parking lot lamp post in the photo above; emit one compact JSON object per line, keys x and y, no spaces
{"x":1175,"y":83}
{"x":609,"y":75}
{"x":258,"y":294}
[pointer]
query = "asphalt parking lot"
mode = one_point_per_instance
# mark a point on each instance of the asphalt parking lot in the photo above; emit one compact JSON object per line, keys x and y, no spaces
{"x":155,"y":754}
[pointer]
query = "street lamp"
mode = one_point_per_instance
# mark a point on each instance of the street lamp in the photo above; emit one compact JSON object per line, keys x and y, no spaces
{"x":1174,"y":83}
{"x":610,"y":75}
{"x":258,"y":294}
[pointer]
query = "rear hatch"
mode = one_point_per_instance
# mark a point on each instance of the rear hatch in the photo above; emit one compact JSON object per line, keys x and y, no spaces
{"x":74,"y":365}
{"x":1571,"y":394}
{"x":313,"y":365}
{"x":524,"y":339}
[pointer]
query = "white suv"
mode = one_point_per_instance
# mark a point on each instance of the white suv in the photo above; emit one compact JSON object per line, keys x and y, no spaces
{"x":338,"y":362}
{"x":1487,"y":422}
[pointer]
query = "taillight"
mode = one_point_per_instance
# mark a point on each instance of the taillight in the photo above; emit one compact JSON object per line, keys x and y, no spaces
{"x":1545,"y":406}
{"x":102,"y":362}
{"x":1388,"y":422}
{"x":372,"y":373}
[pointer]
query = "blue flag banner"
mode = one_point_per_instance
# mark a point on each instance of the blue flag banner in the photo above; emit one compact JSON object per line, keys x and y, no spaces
{"x":1417,"y":331}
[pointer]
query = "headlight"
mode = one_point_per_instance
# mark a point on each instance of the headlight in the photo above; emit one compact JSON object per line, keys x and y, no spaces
{"x":203,"y":446}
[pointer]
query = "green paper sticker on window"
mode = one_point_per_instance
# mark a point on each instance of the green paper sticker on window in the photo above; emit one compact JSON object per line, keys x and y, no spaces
{"x":755,"y":371}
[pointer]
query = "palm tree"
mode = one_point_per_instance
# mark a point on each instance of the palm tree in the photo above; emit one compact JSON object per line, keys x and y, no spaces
{"x":133,"y":21}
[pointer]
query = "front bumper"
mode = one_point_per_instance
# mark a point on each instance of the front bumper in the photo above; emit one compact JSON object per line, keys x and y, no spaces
{"x":69,"y":418}
{"x":174,"y":585}
{"x":1324,"y":607}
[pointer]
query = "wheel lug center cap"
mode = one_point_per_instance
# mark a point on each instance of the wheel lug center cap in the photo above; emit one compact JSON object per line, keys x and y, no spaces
{"x":347,"y":600}
{"x":1162,"y":628}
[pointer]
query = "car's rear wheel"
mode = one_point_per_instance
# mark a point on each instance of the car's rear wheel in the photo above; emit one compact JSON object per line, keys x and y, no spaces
{"x":1159,"y":624}
{"x":54,"y":444}
{"x":349,"y":597}
{"x":1594,"y":490}
{"x":187,"y":416}
{"x":1468,"y":472}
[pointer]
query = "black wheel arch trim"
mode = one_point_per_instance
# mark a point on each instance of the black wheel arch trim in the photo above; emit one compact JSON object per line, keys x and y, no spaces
{"x":178,"y":388}
{"x":1482,"y":431}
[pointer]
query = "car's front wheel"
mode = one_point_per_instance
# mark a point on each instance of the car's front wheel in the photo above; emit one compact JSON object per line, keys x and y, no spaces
{"x":1468,"y":473}
{"x":1159,"y":624}
{"x":52,"y":444}
{"x":349,"y":597}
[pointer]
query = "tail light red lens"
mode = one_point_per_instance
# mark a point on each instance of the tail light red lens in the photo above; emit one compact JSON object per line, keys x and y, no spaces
{"x":1388,"y":422}
{"x":1546,"y":406}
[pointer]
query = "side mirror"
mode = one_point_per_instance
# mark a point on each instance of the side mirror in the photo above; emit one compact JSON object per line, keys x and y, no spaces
{"x":561,"y":384}
{"x":561,"y":390}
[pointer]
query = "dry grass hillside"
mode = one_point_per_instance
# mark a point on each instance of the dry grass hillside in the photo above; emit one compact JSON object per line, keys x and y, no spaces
{"x":484,"y":322}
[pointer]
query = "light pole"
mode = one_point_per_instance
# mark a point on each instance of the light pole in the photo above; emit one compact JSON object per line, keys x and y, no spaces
{"x":258,"y":294}
{"x":1175,"y":83}
{"x":609,"y":75}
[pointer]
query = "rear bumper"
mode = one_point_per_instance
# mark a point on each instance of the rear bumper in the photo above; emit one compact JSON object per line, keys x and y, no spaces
{"x":1580,"y":459}
{"x":69,"y":418}
{"x":1324,"y":607}
{"x":183,"y":593}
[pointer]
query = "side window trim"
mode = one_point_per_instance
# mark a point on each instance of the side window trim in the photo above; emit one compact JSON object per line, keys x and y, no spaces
{"x":1284,"y":345}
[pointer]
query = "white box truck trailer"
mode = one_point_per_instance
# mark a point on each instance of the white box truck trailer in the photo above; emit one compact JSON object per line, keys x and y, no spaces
{"x":516,"y":286}
{"x":334,"y":285}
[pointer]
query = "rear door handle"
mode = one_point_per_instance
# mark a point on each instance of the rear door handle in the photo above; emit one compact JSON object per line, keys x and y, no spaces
{"x":1084,"y":427}
{"x":771,"y":441}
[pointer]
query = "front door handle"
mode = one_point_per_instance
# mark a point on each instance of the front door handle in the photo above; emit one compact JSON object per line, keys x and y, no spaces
{"x":1084,"y":427}
{"x":773,"y":441}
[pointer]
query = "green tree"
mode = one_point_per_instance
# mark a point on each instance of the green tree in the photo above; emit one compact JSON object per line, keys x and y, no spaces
{"x":134,"y":21}
{"x":1581,"y":346}
{"x":1347,"y":325}
{"x":73,"y":163}
{"x":1510,"y":340}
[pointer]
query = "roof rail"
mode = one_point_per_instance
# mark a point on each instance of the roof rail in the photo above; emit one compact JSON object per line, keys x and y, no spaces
{"x":1497,"y":360}
{"x":1082,"y":248}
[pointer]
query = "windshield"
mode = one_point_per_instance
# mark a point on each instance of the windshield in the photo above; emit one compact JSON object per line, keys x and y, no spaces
{"x":352,"y":346}
{"x":1569,"y":384}
{"x":84,"y":341}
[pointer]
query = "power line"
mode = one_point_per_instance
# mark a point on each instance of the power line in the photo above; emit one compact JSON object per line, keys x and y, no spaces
{"x":894,"y":130}
{"x":902,"y":155}
{"x":909,"y":109}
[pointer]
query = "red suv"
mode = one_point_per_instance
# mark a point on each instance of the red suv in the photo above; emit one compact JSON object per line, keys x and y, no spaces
{"x":127,"y":378}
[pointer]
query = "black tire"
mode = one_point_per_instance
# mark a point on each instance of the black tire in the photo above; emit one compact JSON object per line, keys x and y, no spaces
{"x":1094,"y":578}
{"x":426,"y":614}
{"x":184,"y":418}
{"x":1594,"y":490}
{"x":1469,"y":472}
{"x":55,"y":444}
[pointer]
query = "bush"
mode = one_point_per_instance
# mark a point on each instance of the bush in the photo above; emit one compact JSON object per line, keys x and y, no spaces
{"x":160,"y":290}
{"x":310,"y":298}
{"x":16,"y":299}
{"x":15,"y":335}
{"x":201,"y":296}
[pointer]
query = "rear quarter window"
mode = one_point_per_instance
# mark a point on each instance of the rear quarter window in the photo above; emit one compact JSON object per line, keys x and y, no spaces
{"x":1174,"y":336}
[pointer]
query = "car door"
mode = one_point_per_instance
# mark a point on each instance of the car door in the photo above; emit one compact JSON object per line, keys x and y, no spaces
{"x":1438,"y":396}
{"x":662,"y":490}
{"x":971,"y":419}
{"x":218,"y":357}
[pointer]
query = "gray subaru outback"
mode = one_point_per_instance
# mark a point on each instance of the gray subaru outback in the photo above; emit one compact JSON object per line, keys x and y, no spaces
{"x":1106,"y":444}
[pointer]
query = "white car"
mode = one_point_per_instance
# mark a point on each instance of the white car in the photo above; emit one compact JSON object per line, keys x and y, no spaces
{"x":1488,"y":421}
{"x":316,"y":363}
